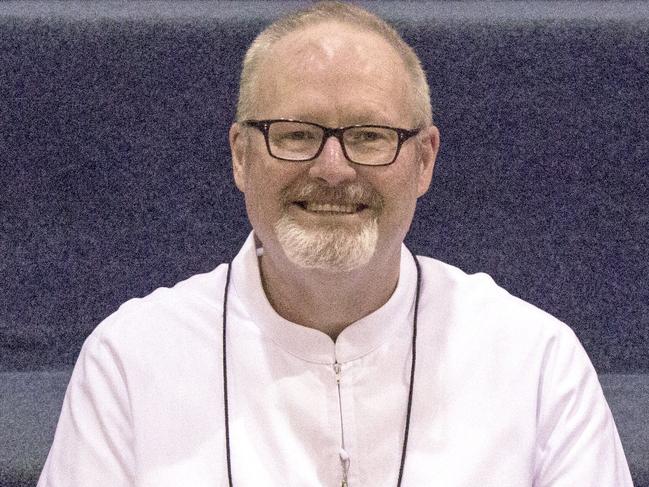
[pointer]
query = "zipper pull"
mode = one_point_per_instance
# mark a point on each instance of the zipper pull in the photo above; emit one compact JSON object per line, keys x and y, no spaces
{"x":337,"y":371}
{"x":344,"y":460}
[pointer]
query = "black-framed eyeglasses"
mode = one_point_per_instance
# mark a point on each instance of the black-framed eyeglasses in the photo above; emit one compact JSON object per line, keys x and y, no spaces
{"x":294,"y":140}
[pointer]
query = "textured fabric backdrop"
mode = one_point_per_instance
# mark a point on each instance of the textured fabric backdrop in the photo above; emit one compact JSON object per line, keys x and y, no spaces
{"x":116,"y":171}
{"x":116,"y":175}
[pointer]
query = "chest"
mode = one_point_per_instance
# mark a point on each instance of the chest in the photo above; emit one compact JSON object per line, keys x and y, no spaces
{"x":313,"y":424}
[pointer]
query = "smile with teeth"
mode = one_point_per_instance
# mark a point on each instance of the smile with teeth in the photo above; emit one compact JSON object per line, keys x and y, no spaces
{"x":330,"y":208}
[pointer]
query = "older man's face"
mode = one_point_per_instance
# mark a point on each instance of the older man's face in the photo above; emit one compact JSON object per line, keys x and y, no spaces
{"x":330,"y":213}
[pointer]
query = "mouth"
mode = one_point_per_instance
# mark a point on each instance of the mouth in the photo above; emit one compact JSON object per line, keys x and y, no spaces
{"x":330,"y":208}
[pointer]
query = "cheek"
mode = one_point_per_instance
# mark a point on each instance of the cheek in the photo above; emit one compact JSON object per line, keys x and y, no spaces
{"x":401,"y":184}
{"x":256,"y":192}
{"x":260,"y":199}
{"x":265,"y":183}
{"x":400,"y":195}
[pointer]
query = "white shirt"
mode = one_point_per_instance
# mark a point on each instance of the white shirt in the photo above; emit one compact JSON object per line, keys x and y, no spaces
{"x":504,"y":394}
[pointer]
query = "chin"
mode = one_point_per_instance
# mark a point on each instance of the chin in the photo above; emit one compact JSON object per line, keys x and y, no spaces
{"x":333,"y":249}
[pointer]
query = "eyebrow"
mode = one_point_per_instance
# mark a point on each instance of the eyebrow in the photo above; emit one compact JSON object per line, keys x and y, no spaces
{"x":360,"y":118}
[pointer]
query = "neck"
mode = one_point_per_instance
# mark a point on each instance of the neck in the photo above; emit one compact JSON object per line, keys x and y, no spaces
{"x":326,"y":301}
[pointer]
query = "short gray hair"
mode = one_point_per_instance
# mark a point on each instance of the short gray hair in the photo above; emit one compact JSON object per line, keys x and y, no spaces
{"x":343,"y":13}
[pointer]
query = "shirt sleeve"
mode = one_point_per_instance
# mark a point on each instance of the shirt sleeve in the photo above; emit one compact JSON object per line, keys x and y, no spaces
{"x":578,"y":443}
{"x":93,"y":443}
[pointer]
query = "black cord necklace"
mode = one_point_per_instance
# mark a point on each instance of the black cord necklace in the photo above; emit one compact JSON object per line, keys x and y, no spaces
{"x":410,"y":391}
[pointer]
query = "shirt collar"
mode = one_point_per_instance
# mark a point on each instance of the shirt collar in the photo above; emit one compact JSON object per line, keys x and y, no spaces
{"x":358,"y":339}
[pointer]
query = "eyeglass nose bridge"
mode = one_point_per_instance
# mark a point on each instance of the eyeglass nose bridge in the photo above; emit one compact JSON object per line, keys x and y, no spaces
{"x":336,"y":132}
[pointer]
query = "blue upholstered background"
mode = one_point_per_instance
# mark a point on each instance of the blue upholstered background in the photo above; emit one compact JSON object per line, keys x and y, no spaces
{"x":116,"y":173}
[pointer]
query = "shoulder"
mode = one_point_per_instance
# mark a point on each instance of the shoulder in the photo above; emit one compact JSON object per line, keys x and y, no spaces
{"x":474,"y":308}
{"x":444,"y":284}
{"x":159,"y":322}
{"x":201,"y":291}
{"x":483,"y":336}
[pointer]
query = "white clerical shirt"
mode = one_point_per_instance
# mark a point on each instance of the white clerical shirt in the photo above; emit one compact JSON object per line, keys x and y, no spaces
{"x":504,"y":394}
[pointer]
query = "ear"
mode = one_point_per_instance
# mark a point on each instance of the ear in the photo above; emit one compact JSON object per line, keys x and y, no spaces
{"x":238,"y":150}
{"x":429,"y":148}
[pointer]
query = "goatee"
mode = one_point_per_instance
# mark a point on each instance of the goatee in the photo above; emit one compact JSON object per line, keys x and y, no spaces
{"x":330,"y":247}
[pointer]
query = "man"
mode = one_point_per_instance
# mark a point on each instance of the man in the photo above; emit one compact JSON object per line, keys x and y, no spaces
{"x":326,"y":354}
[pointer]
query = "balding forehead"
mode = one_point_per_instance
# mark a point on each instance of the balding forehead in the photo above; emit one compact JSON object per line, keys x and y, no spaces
{"x":334,"y":67}
{"x":326,"y":44}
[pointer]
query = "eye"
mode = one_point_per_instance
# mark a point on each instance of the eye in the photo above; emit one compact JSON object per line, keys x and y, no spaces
{"x":367,"y":135}
{"x":299,"y":135}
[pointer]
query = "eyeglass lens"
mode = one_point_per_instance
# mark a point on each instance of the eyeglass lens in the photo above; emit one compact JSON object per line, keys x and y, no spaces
{"x":298,"y":141}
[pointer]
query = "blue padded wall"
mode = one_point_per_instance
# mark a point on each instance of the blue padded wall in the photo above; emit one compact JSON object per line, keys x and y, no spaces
{"x":116,"y":171}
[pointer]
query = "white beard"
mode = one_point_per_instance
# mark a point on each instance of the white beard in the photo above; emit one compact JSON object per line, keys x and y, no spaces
{"x":329,"y":248}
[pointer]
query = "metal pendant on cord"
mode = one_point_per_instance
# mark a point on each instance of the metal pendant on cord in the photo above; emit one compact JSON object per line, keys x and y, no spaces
{"x":410,"y":391}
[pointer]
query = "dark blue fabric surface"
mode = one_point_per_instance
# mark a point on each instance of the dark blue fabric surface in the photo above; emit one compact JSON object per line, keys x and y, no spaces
{"x":116,"y":171}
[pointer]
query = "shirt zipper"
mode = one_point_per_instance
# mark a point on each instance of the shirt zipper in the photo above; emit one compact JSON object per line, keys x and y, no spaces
{"x":344,"y":456}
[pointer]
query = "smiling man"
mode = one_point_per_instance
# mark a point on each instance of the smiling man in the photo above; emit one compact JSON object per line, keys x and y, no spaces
{"x":327,"y":354}
{"x":331,"y":208}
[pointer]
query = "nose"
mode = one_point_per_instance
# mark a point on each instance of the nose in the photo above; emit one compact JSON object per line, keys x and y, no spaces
{"x":331,"y":165}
